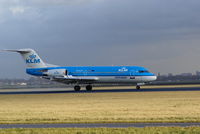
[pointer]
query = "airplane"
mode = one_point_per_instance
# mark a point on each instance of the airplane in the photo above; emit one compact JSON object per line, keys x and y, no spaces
{"x":85,"y":75}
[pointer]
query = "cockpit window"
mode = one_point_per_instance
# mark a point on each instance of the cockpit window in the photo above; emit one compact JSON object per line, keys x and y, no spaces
{"x":143,"y":71}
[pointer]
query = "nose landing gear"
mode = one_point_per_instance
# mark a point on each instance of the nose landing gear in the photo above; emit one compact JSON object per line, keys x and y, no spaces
{"x":138,"y":87}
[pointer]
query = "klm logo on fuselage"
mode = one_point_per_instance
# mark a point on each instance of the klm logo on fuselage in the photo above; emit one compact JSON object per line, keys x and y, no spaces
{"x":123,"y":69}
{"x":32,"y":59}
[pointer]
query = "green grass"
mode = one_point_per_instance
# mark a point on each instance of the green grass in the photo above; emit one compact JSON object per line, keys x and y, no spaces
{"x":101,"y":107}
{"x":147,"y":130}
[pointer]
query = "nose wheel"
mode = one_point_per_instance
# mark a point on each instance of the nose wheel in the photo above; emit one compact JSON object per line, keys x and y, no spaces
{"x":138,"y":87}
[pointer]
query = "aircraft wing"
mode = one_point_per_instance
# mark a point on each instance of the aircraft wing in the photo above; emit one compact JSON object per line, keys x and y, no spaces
{"x":73,"y":79}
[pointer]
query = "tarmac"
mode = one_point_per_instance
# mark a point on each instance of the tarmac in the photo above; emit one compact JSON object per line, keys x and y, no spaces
{"x":99,"y":125}
{"x":103,"y":90}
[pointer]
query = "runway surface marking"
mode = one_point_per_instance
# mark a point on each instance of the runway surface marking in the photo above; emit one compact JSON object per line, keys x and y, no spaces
{"x":99,"y":125}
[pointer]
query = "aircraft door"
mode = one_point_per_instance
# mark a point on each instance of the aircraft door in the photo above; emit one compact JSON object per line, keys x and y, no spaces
{"x":85,"y":72}
{"x":132,"y":73}
{"x":66,"y":72}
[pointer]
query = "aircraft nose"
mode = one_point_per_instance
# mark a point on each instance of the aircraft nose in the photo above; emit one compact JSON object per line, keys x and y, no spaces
{"x":153,"y":78}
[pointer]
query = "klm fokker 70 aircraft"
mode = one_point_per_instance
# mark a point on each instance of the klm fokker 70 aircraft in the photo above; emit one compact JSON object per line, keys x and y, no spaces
{"x":85,"y":75}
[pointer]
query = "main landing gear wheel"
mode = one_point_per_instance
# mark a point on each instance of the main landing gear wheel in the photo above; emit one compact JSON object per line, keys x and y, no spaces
{"x":138,"y":87}
{"x":89,"y":88}
{"x":77,"y":88}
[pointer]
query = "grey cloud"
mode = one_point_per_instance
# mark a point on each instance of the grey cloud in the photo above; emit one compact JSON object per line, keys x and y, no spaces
{"x":58,"y":2}
{"x":32,"y":3}
{"x":150,"y":33}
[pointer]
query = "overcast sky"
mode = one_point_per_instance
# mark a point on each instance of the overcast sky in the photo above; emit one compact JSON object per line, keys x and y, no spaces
{"x":161,"y":35}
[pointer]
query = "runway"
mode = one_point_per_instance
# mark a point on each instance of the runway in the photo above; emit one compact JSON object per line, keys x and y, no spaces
{"x":70,"y":90}
{"x":99,"y":125}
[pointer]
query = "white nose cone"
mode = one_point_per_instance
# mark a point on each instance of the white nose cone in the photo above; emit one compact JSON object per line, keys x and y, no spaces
{"x":152,"y":78}
{"x":149,"y":78}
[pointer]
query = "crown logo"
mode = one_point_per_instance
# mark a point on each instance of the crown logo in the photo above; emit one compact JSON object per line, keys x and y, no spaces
{"x":32,"y":56}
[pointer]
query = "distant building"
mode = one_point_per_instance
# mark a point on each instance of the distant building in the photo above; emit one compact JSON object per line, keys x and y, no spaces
{"x":186,"y":74}
{"x":170,"y":74}
{"x":197,"y":73}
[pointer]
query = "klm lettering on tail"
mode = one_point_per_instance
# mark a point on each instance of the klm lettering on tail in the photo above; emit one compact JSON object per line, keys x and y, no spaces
{"x":32,"y":59}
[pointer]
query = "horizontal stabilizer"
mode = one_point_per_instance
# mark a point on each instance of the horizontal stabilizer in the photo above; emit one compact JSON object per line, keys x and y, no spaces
{"x":18,"y":50}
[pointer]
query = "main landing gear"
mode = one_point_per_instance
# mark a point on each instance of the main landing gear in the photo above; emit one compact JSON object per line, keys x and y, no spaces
{"x":78,"y":88}
{"x":89,"y":88}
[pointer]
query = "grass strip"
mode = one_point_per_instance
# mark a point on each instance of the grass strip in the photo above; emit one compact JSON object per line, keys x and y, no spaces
{"x":182,"y":106}
{"x":147,"y":130}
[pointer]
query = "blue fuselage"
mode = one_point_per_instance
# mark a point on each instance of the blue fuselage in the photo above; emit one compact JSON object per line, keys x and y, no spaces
{"x":97,"y":71}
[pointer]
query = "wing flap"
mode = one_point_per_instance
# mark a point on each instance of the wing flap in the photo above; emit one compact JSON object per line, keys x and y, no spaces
{"x":73,"y":79}
{"x":69,"y":77}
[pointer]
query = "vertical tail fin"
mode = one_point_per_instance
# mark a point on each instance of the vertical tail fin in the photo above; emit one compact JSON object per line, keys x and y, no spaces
{"x":31,"y":58}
